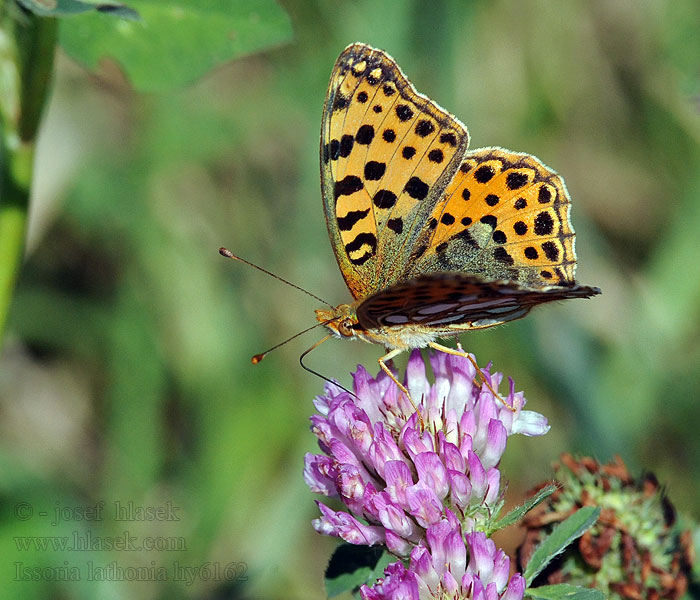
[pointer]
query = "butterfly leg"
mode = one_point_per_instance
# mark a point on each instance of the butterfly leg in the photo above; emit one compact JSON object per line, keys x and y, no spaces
{"x":460,"y":352}
{"x":382,"y":363}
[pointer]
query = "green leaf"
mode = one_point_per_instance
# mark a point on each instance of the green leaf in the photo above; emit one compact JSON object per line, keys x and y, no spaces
{"x":564,"y":590}
{"x":67,"y":8}
{"x":352,"y":566}
{"x":562,"y":535}
{"x":519,"y":511}
{"x":175,"y":42}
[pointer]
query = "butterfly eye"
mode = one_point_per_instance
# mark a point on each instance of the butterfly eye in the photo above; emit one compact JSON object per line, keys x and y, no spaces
{"x":345,"y":327}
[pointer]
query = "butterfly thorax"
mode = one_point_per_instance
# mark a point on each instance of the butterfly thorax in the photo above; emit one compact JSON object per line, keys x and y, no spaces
{"x":342,"y":322}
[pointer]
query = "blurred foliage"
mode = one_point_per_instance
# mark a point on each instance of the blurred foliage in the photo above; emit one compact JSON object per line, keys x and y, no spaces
{"x":173,"y":43}
{"x":67,"y":8}
{"x":125,"y":374}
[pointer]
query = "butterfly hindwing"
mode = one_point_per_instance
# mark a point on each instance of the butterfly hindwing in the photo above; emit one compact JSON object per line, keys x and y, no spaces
{"x":387,"y":155}
{"x":505,"y":215}
{"x":457,"y":302}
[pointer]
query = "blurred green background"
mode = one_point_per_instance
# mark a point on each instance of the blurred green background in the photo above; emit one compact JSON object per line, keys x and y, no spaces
{"x":125,"y":372}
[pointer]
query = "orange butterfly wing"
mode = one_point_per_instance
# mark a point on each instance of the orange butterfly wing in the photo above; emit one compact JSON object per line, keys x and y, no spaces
{"x":387,"y":154}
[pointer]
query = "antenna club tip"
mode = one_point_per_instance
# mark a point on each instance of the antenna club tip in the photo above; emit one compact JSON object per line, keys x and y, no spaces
{"x":257,"y":358}
{"x":225,"y":252}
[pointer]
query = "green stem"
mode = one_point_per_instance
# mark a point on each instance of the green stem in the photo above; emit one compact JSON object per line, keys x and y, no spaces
{"x":27,"y":44}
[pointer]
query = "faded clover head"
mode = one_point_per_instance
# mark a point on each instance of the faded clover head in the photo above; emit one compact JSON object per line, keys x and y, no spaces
{"x":635,"y":550}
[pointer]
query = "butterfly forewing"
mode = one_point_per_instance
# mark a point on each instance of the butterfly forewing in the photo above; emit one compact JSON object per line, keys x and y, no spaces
{"x":387,"y":154}
{"x":453,"y":301}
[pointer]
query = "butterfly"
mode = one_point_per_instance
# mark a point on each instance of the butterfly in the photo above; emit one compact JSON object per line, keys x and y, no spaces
{"x":431,"y":238}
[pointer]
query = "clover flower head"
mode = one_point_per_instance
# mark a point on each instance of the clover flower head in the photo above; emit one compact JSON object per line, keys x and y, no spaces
{"x":398,"y":472}
{"x":450,"y":566}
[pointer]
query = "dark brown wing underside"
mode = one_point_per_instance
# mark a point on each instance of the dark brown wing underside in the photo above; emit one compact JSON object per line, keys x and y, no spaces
{"x":444,"y":299}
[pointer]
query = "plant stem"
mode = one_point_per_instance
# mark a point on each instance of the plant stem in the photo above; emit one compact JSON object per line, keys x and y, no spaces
{"x":27,"y":45}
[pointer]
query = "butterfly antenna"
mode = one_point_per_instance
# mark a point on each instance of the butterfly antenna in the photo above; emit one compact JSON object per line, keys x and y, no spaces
{"x":228,"y":254}
{"x":309,"y":370}
{"x":258,"y":357}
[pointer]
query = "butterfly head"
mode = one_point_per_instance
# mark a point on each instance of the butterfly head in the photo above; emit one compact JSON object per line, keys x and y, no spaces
{"x":341,"y":321}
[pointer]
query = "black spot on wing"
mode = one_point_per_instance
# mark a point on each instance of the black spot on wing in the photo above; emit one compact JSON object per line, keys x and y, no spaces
{"x":347,"y":222}
{"x":424,"y":128}
{"x":374,"y":170}
{"x":404,"y":112}
{"x":449,"y":139}
{"x":365,"y":135}
{"x":346,"y":144}
{"x":335,"y":149}
{"x":489,"y":220}
{"x":348,"y":185}
{"x":544,"y":225}
{"x":531,"y":253}
{"x":436,"y":156}
{"x":340,"y":102}
{"x":362,"y":239}
{"x":384,"y":199}
{"x":515,"y":180}
{"x":484,"y":174}
{"x":416,"y":188}
{"x":544,"y":195}
{"x":396,"y":225}
{"x":551,"y":251}
{"x":499,"y":237}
